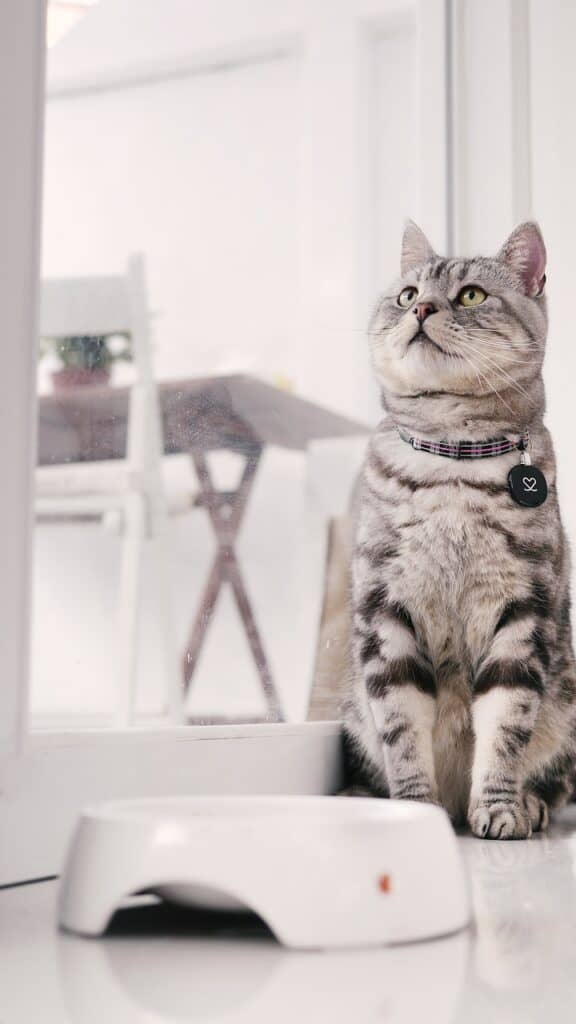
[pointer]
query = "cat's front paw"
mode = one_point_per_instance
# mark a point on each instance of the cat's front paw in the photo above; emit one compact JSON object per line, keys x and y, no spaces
{"x":499,"y":820}
{"x":537,"y":810}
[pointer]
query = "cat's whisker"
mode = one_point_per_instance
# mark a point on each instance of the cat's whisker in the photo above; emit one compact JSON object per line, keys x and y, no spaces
{"x":491,"y":364}
{"x":477,"y":371}
{"x":497,"y":349}
{"x":501,"y":334}
{"x":499,"y":370}
{"x":498,"y":345}
{"x":487,"y":345}
{"x":509,"y":384}
{"x":529,"y":358}
{"x":487,"y":340}
{"x":485,"y":329}
{"x":476,"y":374}
{"x":517,"y":362}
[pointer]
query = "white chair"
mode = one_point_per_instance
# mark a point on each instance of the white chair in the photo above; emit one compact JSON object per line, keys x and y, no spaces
{"x":130,"y":489}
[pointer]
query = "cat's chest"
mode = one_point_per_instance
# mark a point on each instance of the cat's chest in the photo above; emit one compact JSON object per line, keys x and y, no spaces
{"x":442,"y":551}
{"x":446,"y":560}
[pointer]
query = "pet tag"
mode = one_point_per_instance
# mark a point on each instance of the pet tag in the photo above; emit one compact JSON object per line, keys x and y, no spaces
{"x":527,"y":485}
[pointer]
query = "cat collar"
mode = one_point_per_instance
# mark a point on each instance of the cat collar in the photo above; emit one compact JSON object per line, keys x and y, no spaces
{"x":526,"y":483}
{"x":468,"y":449}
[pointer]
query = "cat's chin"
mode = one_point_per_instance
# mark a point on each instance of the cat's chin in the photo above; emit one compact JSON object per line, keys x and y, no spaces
{"x":423,"y":342}
{"x":425,"y":378}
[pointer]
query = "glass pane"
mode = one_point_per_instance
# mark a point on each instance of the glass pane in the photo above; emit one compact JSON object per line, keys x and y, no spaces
{"x":203,"y":374}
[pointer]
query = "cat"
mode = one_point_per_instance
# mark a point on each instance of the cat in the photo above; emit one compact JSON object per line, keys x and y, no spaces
{"x":463,"y":682}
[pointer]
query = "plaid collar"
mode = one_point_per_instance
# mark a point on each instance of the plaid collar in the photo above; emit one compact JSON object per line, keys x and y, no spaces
{"x":465,"y":449}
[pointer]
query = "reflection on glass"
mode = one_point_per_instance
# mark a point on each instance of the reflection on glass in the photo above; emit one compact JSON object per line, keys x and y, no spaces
{"x":185,"y":555}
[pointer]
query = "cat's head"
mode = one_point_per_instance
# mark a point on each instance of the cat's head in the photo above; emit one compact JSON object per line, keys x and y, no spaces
{"x":472,"y":327}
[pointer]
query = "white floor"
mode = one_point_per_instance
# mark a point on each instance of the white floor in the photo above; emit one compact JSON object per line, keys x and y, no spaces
{"x":518,"y":963}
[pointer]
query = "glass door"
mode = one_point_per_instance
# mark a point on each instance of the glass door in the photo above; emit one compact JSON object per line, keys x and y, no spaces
{"x":220,"y":209}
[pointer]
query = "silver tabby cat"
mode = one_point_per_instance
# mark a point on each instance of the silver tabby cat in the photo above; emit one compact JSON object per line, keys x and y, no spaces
{"x":464,"y":682}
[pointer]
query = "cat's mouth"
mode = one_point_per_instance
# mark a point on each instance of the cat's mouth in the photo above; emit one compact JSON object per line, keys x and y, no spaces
{"x":425,"y":339}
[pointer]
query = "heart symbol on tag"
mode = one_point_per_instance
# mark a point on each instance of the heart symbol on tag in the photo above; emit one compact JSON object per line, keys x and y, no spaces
{"x":529,"y":483}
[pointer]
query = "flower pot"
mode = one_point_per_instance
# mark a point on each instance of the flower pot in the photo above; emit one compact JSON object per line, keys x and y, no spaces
{"x":70,"y":377}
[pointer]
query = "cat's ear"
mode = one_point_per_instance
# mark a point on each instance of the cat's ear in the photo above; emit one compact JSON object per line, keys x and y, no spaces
{"x":525,"y":253}
{"x":416,"y":249}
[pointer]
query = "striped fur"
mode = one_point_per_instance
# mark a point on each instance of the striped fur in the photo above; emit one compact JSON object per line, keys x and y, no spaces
{"x":463,"y":688}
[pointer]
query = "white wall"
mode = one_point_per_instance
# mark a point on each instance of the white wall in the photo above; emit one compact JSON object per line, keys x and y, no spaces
{"x":553,"y":88}
{"x":395,"y":169}
{"x":200,"y":174}
{"x":206,"y":164}
{"x":515,"y":158}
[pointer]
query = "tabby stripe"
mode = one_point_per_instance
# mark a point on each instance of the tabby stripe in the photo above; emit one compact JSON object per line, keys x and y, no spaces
{"x":387,"y":471}
{"x":379,"y":497}
{"x":517,"y":733}
{"x":464,"y":270}
{"x":376,"y":602}
{"x":540,"y":647}
{"x":515,"y":611}
{"x":512,"y":312}
{"x":436,"y":270}
{"x":509,"y":674}
{"x":370,"y":648}
{"x":489,"y":486}
{"x":400,"y":672}
{"x":498,"y":792}
{"x":516,"y":737}
{"x":533,"y":552}
{"x":541,"y":596}
{"x":567,"y":691}
{"x":394,"y":733}
{"x":378,"y":555}
{"x":372,"y":602}
{"x":406,"y":792}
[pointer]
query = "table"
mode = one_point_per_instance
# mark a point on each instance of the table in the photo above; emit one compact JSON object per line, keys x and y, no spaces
{"x":239,"y":413}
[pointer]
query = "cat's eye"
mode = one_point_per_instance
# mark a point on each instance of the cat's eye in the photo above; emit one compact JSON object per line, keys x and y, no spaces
{"x":407,"y":296}
{"x":472,"y":295}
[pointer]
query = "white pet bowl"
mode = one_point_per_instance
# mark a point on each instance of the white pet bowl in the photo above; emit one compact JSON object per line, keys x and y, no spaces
{"x":320,"y":871}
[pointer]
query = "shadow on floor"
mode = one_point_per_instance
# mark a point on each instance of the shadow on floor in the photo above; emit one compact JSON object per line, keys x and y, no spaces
{"x":163,"y":919}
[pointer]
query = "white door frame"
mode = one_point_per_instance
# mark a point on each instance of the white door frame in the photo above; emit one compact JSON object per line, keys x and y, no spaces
{"x":22,"y":50}
{"x":46,"y":778}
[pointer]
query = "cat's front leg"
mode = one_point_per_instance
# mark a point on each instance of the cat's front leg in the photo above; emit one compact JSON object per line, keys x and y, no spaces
{"x":507,"y":696}
{"x":401,"y":688}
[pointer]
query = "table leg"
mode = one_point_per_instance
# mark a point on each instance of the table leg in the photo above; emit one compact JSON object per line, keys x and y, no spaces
{"x":226,"y":510}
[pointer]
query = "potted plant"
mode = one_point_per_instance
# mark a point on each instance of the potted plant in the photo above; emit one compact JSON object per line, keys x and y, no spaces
{"x":84,"y":360}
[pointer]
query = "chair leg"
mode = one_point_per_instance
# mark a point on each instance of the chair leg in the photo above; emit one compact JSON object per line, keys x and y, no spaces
{"x":129,"y":601}
{"x":173,"y":692}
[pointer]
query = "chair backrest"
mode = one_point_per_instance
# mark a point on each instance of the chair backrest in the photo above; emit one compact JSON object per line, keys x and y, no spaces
{"x":78,"y":306}
{"x":95,"y":306}
{"x":84,"y":305}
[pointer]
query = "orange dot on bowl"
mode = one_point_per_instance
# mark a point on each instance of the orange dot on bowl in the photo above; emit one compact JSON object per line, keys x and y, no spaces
{"x":384,"y":883}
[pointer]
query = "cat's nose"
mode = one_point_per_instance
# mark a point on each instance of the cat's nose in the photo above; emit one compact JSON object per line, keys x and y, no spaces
{"x":422,"y":310}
